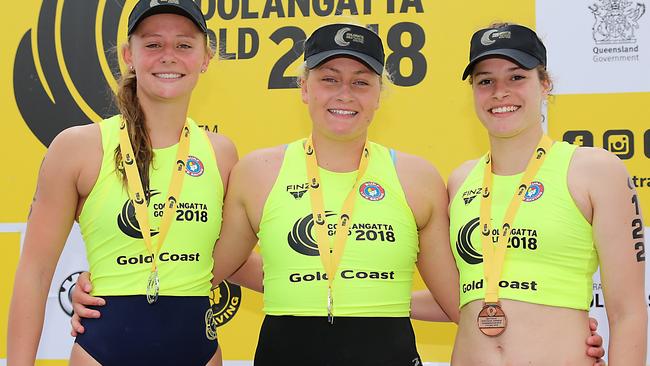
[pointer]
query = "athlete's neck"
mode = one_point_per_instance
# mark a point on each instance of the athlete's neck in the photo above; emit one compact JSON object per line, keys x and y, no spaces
{"x":164,"y":121}
{"x":510,"y":155}
{"x":338,"y":155}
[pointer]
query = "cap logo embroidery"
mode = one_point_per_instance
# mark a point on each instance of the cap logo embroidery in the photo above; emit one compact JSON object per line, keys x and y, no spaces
{"x":157,"y":2}
{"x":344,"y":33}
{"x":338,"y":38}
{"x":490,"y":36}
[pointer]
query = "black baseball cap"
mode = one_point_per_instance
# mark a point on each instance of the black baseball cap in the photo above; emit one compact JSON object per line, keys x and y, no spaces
{"x":186,"y":8}
{"x":515,"y":42}
{"x":345,"y":39}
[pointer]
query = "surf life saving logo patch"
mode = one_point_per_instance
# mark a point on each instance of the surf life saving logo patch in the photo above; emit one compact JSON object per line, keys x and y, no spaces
{"x":534,"y":192}
{"x":194,"y":166}
{"x":372,"y":191}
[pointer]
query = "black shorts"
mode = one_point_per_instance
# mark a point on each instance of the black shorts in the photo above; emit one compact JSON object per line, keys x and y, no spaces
{"x":350,"y":341}
{"x":130,"y":331}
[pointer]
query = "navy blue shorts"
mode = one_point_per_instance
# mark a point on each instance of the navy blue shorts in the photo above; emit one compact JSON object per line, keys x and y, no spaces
{"x":172,"y":331}
{"x":350,"y":341}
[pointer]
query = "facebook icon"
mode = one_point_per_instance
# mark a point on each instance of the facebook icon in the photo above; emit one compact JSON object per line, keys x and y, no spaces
{"x":579,"y":137}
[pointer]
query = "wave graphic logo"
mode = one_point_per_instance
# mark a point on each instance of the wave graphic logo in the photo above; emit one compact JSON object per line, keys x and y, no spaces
{"x":65,"y":67}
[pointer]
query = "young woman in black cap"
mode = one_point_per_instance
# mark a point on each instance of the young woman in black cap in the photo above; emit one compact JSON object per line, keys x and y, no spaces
{"x":338,"y":254}
{"x":531,"y":221}
{"x":117,"y":178}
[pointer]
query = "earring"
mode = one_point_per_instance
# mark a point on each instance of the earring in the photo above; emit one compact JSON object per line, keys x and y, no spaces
{"x":131,"y":68}
{"x":203,"y":71}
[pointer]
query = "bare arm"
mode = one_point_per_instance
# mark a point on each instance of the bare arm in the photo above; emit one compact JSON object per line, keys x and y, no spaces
{"x":425,"y":307}
{"x":618,"y":230}
{"x":426,"y":194}
{"x":250,"y":273}
{"x":251,"y":181}
{"x":226,"y":155}
{"x":52,"y":215}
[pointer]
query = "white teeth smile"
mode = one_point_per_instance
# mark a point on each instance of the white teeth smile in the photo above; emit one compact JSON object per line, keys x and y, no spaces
{"x":506,"y":109}
{"x":342,"y":112}
{"x":168,"y":76}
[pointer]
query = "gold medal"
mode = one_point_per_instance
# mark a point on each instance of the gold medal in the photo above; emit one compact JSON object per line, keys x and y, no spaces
{"x":492,"y":320}
{"x":153,"y":286}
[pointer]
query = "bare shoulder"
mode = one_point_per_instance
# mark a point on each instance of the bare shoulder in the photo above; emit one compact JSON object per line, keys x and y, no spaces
{"x":222,"y":145}
{"x":253,"y":178}
{"x":415,"y":169}
{"x":458,"y":176}
{"x":423,"y":187}
{"x":264,"y":159}
{"x":595,"y":158}
{"x":80,"y":136}
{"x":225,"y":153}
{"x":598,"y":175}
{"x":596,"y":166}
{"x":259,"y":167}
{"x":77,"y":145}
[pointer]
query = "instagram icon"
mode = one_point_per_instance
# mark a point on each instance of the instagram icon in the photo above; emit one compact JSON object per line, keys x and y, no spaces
{"x":619,"y":142}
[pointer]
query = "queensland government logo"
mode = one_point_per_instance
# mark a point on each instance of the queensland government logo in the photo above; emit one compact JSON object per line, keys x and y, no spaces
{"x":128,"y":223}
{"x":616,"y":23}
{"x":64,"y":83}
{"x":301,"y":239}
{"x":372,"y":191}
{"x":225,"y":301}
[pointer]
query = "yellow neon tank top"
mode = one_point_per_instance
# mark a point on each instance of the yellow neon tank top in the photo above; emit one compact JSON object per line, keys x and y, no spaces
{"x":119,"y":261}
{"x":550,"y":258}
{"x":376,"y":270}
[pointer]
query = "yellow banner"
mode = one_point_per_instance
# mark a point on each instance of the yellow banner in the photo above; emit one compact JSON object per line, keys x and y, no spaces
{"x":59,"y":67}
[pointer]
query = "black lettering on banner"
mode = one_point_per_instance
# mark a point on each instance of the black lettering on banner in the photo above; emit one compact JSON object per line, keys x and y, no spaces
{"x":223,"y":13}
{"x":411,"y":52}
{"x":596,"y":302}
{"x":406,"y":4}
{"x":347,"y":5}
{"x":223,"y":52}
{"x":208,"y":128}
{"x":277,"y":8}
{"x":277,"y":80}
{"x":323,"y":11}
{"x":243,"y":33}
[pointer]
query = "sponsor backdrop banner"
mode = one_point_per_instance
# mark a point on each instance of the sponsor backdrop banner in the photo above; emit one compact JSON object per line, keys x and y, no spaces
{"x":596,"y":46}
{"x":60,"y":65}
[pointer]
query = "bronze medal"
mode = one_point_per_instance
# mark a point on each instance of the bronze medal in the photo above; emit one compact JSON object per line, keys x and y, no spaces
{"x":492,"y":320}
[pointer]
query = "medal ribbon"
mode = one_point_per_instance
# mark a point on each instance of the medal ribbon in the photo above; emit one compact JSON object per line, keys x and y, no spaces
{"x":138,"y":197}
{"x":331,"y":258}
{"x":494,"y":255}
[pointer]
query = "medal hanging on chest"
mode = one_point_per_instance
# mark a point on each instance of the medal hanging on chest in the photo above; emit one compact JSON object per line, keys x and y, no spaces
{"x":492,"y":320}
{"x":140,"y":200}
{"x":331,"y":257}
